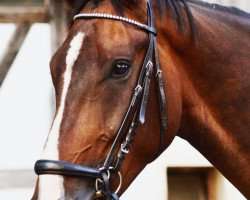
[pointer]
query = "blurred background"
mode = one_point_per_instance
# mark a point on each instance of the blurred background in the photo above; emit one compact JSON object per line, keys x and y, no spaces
{"x":30,"y":31}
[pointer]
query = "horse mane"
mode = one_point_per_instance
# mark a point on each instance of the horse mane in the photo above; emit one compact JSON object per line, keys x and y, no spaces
{"x":230,"y":10}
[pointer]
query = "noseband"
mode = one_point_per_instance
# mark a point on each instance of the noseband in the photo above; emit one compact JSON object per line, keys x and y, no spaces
{"x":136,"y":112}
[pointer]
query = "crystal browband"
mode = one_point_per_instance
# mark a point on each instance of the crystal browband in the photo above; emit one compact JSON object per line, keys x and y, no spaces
{"x":115,"y":17}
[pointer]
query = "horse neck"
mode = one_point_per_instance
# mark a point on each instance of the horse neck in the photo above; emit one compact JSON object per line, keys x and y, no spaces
{"x":213,"y":78}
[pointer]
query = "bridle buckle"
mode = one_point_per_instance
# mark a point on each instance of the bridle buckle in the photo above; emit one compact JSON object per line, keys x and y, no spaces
{"x":123,"y":149}
{"x":159,"y":72}
{"x":100,"y":191}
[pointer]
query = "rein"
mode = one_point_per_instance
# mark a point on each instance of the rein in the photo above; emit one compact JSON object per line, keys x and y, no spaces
{"x":136,"y":111}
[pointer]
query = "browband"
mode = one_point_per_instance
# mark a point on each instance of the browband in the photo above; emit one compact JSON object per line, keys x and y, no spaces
{"x":116,"y":17}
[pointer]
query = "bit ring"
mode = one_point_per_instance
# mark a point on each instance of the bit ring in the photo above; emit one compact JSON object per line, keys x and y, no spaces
{"x":98,"y":180}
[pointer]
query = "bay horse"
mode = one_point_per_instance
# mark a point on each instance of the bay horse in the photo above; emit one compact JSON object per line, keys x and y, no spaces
{"x":197,"y":57}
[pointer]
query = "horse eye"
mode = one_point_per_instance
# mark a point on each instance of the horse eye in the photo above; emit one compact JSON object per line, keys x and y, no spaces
{"x":120,"y":69}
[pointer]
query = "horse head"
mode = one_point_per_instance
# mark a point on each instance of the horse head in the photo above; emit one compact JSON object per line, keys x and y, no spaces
{"x":101,"y":76}
{"x":111,"y":75}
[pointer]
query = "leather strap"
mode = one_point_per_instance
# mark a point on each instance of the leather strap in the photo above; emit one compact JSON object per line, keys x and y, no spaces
{"x":106,"y":186}
{"x":162,"y":100}
{"x":65,"y":169}
{"x":134,"y":102}
{"x":161,"y":93}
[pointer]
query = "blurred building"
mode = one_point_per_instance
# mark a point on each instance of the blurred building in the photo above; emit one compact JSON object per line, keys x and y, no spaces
{"x":242,"y":4}
{"x":27,"y":107}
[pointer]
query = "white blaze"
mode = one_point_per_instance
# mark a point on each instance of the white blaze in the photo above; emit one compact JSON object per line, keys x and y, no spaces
{"x":51,"y":186}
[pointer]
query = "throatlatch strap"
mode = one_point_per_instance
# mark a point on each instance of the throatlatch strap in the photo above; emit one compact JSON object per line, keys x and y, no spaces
{"x":162,"y":99}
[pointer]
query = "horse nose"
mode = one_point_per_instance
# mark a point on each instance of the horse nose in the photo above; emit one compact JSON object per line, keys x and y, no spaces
{"x":79,"y":188}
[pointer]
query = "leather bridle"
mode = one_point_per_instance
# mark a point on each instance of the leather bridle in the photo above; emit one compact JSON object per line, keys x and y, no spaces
{"x":134,"y":115}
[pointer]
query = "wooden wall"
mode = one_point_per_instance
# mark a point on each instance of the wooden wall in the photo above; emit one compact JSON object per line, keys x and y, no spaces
{"x":56,"y":12}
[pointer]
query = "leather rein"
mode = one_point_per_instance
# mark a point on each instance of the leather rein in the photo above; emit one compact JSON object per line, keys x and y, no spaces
{"x":136,"y":111}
